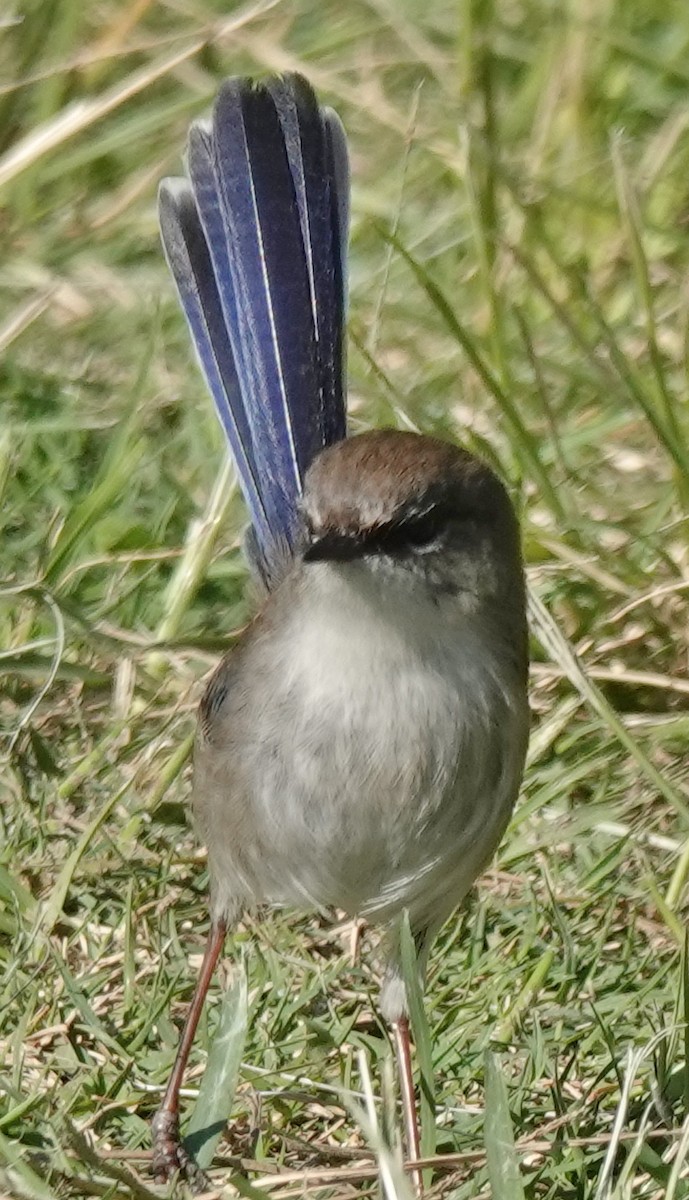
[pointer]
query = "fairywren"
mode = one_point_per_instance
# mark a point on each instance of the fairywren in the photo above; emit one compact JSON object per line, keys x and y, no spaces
{"x":362,"y":745}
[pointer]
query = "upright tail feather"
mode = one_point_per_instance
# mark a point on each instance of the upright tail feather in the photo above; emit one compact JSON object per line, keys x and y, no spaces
{"x":256,"y":241}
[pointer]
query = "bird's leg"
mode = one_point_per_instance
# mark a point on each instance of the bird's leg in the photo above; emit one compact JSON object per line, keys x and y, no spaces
{"x":400,"y":1029}
{"x":169,"y":1155}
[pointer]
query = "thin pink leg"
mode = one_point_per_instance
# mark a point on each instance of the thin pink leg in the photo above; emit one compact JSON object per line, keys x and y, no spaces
{"x":169,"y":1155}
{"x":400,"y":1030}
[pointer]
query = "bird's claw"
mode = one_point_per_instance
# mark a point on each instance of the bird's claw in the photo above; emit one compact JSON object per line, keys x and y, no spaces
{"x":170,"y":1158}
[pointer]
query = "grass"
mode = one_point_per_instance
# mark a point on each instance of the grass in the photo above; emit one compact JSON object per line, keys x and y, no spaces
{"x":518,"y":280}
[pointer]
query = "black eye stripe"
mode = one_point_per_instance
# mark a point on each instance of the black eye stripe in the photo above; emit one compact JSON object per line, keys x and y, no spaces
{"x":413,"y":531}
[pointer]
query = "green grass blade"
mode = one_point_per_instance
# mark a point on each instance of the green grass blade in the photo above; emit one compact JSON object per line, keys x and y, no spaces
{"x":498,"y":1135}
{"x":52,"y":907}
{"x":555,"y":644}
{"x":677,"y":1186}
{"x":526,"y":998}
{"x":632,"y":222}
{"x":522,"y":441}
{"x":17,"y":1176}
{"x":219,"y":1083}
{"x":13,"y":893}
{"x":422,"y":1038}
{"x":685,"y":1021}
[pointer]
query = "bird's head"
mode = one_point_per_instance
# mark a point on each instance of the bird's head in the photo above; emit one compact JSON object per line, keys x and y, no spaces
{"x":416,"y":506}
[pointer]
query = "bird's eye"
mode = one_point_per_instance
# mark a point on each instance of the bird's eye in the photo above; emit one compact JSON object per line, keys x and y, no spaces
{"x":421,"y":531}
{"x":413,"y":533}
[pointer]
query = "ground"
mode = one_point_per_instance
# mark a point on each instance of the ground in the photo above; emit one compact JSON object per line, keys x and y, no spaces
{"x":519,"y":260}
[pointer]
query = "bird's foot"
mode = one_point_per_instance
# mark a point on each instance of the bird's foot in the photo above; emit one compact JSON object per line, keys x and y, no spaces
{"x":170,"y":1159}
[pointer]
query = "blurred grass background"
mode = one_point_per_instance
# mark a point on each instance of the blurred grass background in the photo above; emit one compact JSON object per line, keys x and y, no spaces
{"x":519,"y":260}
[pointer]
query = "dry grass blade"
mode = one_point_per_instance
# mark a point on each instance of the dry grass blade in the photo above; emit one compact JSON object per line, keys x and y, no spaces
{"x":556,"y":645}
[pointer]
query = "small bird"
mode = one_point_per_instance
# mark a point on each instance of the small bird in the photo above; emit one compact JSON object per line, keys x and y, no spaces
{"x":362,"y":745}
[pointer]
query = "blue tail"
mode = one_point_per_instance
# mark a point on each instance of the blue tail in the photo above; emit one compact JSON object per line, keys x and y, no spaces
{"x":256,"y":240}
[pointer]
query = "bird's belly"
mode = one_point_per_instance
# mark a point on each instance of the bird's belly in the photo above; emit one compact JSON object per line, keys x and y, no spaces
{"x":381,"y":777}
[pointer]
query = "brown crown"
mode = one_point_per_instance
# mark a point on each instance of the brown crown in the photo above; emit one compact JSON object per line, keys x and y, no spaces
{"x":386,"y":476}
